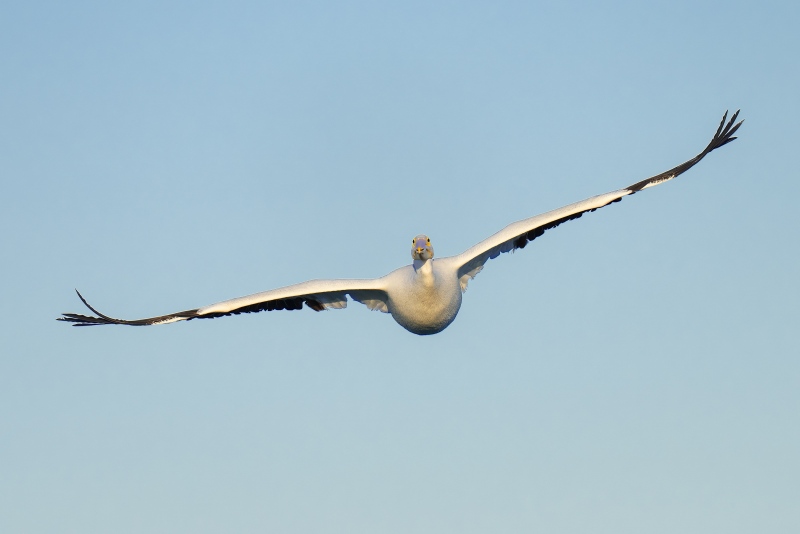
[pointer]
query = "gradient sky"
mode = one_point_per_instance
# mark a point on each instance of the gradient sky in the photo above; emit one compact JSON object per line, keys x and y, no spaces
{"x":633,"y":371}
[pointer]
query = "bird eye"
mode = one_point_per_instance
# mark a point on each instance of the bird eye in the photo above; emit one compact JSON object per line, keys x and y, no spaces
{"x":429,"y":240}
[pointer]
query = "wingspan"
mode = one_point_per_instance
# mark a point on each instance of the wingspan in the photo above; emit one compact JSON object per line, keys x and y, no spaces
{"x":518,"y":234}
{"x":318,"y":295}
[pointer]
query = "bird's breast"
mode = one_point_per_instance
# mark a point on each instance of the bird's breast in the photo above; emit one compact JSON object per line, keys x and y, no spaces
{"x":424,"y":301}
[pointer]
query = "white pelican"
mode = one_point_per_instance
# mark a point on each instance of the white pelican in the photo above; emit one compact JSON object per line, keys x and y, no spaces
{"x":424,"y":297}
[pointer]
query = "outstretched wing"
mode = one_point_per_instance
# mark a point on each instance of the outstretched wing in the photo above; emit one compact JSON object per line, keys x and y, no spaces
{"x":518,"y":234}
{"x":316,"y":294}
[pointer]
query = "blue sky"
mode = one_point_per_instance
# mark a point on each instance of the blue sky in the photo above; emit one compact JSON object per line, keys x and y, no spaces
{"x":635,"y":370}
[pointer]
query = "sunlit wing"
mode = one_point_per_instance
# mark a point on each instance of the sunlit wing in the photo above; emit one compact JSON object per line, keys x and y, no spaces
{"x":518,"y":234}
{"x":316,"y":294}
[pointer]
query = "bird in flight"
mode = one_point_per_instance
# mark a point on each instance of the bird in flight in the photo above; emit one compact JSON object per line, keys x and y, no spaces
{"x":425,"y":296}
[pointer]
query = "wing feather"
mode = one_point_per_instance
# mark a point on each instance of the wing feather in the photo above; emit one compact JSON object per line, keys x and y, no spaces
{"x":518,"y":234}
{"x":318,"y":295}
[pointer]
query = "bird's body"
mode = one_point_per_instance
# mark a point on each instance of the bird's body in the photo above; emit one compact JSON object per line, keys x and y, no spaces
{"x":424,"y":297}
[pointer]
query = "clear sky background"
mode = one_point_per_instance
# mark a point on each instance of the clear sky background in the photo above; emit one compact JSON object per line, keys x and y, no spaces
{"x":633,"y":371}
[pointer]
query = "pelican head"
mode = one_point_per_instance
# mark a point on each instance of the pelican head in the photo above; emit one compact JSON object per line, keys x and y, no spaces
{"x":421,"y":248}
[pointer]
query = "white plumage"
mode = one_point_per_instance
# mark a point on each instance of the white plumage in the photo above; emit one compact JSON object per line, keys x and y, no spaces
{"x":424,"y":297}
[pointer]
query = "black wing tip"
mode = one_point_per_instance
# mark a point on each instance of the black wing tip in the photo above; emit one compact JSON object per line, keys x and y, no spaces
{"x":722,"y":137}
{"x":99,"y":319}
{"x":86,"y":320}
{"x":724,"y":134}
{"x":78,"y":319}
{"x":82,"y":320}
